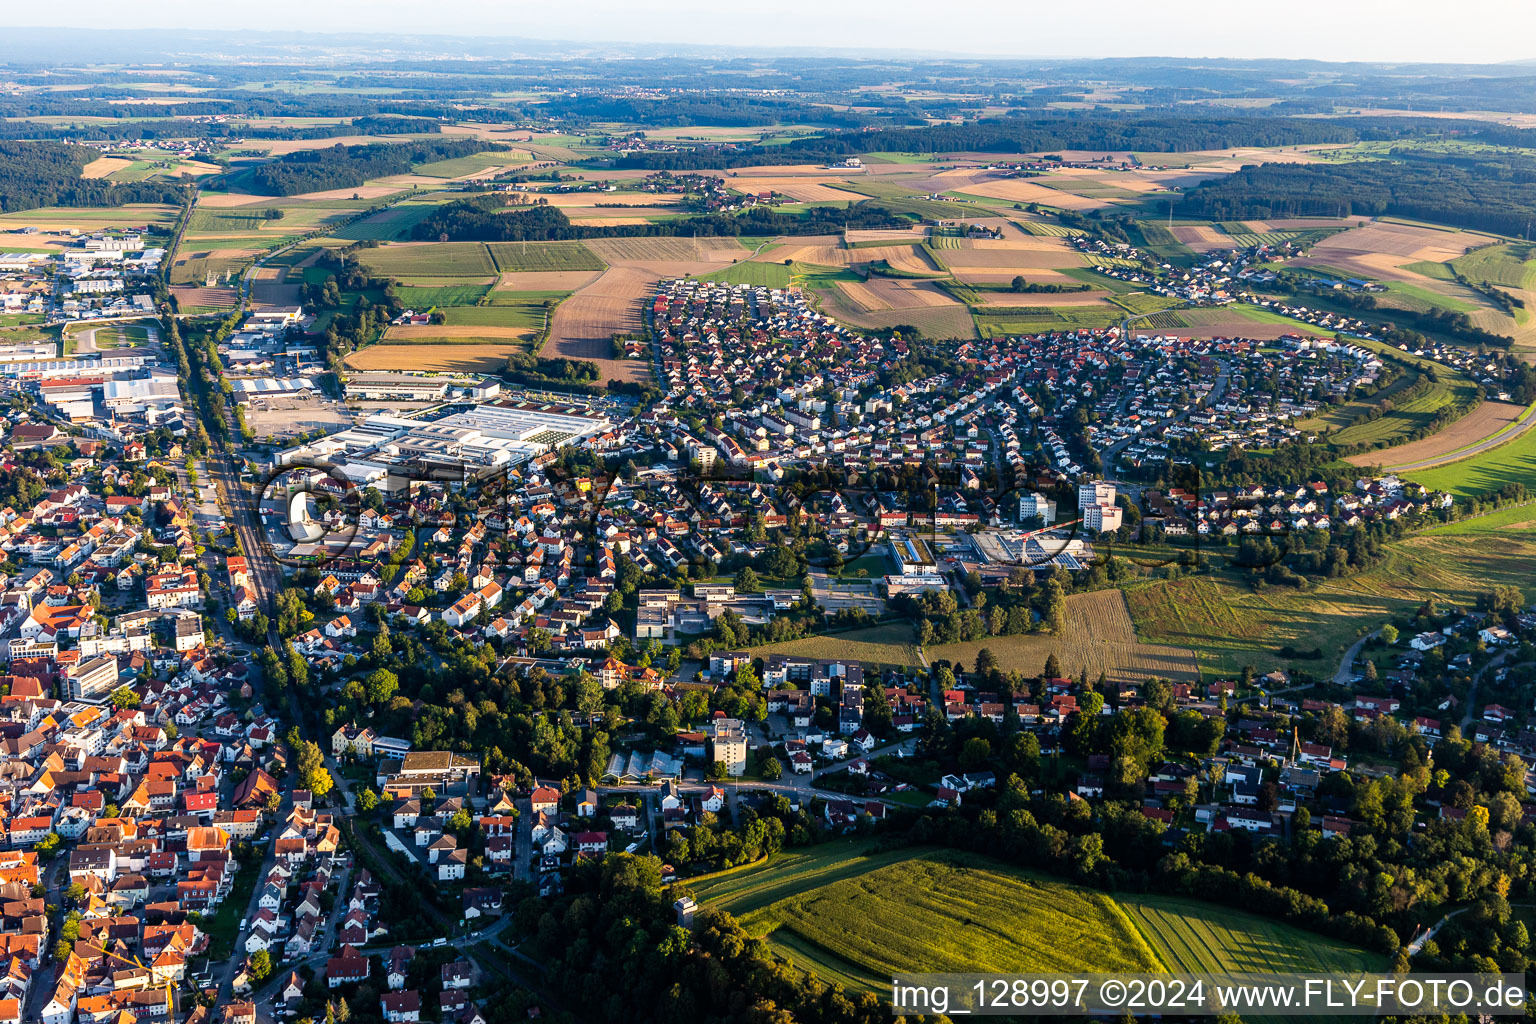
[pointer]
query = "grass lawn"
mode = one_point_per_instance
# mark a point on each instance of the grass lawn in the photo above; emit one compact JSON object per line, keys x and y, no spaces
{"x":472,"y":164}
{"x":223,"y":927}
{"x":888,"y":644}
{"x":759,"y":275}
{"x":858,"y":920}
{"x":1228,"y":626}
{"x":529,"y":314}
{"x":24,"y":334}
{"x":1511,"y":462}
{"x":449,"y":295}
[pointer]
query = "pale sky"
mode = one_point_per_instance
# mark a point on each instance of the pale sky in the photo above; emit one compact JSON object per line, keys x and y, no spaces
{"x":1478,"y":31}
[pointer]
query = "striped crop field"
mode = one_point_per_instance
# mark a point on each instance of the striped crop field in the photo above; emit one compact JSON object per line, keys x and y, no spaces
{"x":857,"y":919}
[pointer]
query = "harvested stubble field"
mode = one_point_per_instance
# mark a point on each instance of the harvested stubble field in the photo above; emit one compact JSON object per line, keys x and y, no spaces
{"x":546,"y":281}
{"x":1200,"y":237}
{"x":448,"y":358}
{"x":804,"y":190}
{"x":912,"y":259}
{"x":418,"y":334}
{"x":1100,"y":637}
{"x":883,"y":293}
{"x":1022,"y":190}
{"x":429,"y":259}
{"x":1486,"y":420}
{"x":859,"y":919}
{"x":584,"y":324}
{"x":1382,"y":250}
{"x":105,"y":165}
{"x":1015,"y":258}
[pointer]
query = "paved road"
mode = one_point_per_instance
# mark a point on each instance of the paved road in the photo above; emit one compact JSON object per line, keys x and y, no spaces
{"x":1481,"y":446}
{"x":1477,"y":678}
{"x":1346,"y":670}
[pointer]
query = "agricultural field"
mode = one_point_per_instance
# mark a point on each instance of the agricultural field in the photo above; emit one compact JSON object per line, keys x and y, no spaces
{"x":1047,"y":318}
{"x":1512,"y":462}
{"x":888,"y":644}
{"x":1100,"y":637}
{"x":1512,"y":268}
{"x":1228,"y":626}
{"x":394,"y":223}
{"x":858,"y":920}
{"x":584,"y":324}
{"x":59,"y":219}
{"x":487,"y":357}
{"x":544,"y":257}
{"x":442,"y":295}
{"x":663,"y":250}
{"x":1486,"y":421}
{"x":1451,"y":391}
{"x":429,"y":259}
{"x":474,"y":164}
{"x":528,"y":315}
{"x":451,"y":334}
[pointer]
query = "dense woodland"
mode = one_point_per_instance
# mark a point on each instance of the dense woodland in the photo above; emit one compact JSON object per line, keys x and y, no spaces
{"x":34,"y":174}
{"x":1018,"y":135}
{"x":486,"y":219}
{"x":1496,"y":193}
{"x":315,"y":170}
{"x":682,"y":111}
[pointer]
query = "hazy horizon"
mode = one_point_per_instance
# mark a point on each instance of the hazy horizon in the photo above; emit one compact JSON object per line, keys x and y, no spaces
{"x":1325,"y":30}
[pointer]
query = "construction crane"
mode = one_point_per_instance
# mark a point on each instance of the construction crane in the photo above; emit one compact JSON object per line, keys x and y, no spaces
{"x":170,"y":987}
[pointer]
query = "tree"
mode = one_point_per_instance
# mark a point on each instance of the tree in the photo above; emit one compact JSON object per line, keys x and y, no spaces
{"x":367,"y":801}
{"x":772,"y":769}
{"x":974,"y":753}
{"x":1055,"y":607}
{"x":261,"y":966}
{"x":719,"y":771}
{"x":122,"y":697}
{"x":381,"y":685}
{"x":1389,"y":634}
{"x":986,"y":662}
{"x":313,"y":775}
{"x":746,"y":581}
{"x":1052,"y":667}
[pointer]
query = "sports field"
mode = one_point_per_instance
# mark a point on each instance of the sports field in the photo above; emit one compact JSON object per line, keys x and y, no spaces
{"x":858,"y":920}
